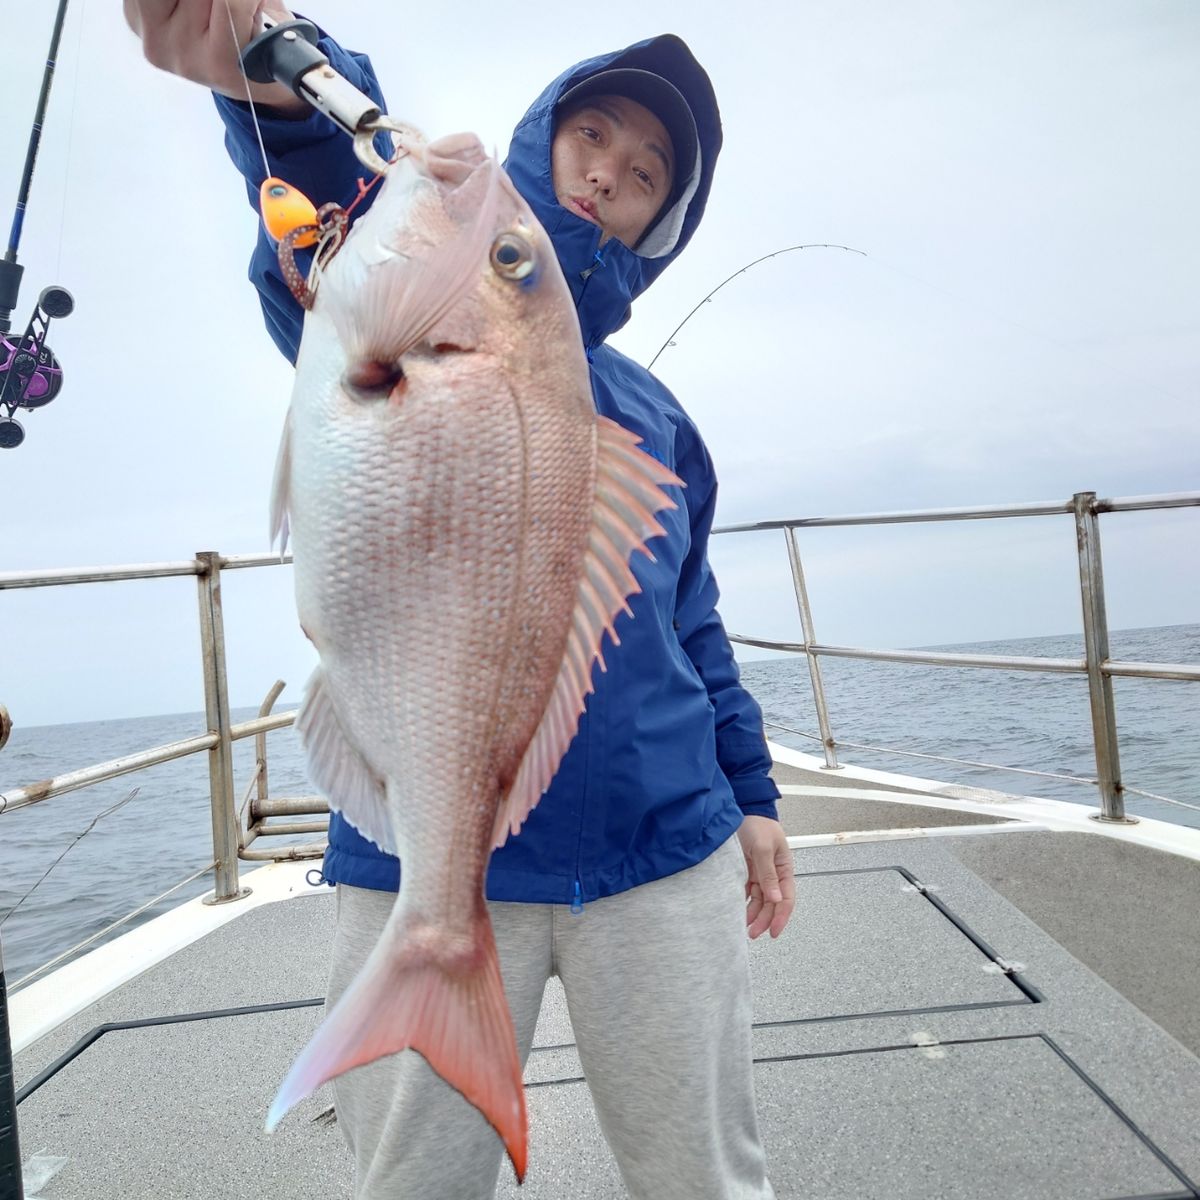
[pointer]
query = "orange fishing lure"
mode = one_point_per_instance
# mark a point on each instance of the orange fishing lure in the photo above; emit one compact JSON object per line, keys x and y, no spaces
{"x":284,"y":209}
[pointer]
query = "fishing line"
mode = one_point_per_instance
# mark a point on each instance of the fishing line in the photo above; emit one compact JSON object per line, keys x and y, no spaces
{"x":775,"y":254}
{"x":249,"y":99}
{"x":955,"y":296}
{"x":62,"y":217}
{"x":78,"y":839}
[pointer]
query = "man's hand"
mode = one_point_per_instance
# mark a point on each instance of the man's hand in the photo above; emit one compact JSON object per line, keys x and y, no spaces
{"x":770,"y":884}
{"x":192,"y":39}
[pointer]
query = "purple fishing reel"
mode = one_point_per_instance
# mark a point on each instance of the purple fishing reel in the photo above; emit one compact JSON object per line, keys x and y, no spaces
{"x":30,"y":375}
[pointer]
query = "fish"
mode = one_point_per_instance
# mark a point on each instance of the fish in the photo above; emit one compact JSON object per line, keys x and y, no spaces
{"x":462,"y":523}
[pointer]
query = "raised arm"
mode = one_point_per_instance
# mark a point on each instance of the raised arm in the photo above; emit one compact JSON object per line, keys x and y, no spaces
{"x":193,"y":39}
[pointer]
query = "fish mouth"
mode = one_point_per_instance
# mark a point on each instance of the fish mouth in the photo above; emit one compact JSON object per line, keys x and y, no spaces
{"x":452,"y":160}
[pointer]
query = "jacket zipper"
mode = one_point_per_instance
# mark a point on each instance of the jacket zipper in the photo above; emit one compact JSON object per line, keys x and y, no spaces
{"x":596,"y":264}
{"x":586,"y":274}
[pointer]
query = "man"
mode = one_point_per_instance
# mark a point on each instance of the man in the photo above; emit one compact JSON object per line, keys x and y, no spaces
{"x":626,"y":880}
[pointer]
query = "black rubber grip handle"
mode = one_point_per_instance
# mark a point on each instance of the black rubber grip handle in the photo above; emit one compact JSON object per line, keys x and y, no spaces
{"x":283,"y":53}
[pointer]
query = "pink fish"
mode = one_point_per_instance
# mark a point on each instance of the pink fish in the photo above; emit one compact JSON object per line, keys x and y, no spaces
{"x":462,"y":521}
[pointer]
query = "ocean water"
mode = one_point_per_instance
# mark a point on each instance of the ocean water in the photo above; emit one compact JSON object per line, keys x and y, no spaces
{"x":146,"y":846}
{"x":1017,"y":719}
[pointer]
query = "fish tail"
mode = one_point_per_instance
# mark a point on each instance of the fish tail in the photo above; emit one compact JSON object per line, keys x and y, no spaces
{"x":447,"y":1004}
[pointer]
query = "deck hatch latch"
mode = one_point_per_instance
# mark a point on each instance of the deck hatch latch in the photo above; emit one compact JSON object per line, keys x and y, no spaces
{"x":924,"y":889}
{"x":927,"y":1044}
{"x":1001,"y":966}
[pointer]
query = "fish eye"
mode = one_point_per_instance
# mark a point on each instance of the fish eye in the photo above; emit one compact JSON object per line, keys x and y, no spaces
{"x":512,"y":256}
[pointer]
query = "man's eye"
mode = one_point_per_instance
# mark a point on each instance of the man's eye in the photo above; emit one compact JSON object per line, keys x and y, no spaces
{"x":644,"y":177}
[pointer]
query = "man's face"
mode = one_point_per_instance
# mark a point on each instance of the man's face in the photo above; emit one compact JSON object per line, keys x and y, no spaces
{"x":613,"y":165}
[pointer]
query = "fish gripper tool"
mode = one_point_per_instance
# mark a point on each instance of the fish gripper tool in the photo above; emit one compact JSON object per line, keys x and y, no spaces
{"x":286,"y":52}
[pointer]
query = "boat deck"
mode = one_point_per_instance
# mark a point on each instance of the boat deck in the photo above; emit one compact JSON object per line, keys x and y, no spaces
{"x":917,"y":1035}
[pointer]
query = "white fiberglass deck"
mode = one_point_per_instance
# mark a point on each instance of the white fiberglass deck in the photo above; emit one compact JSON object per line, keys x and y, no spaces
{"x":917,"y":1037}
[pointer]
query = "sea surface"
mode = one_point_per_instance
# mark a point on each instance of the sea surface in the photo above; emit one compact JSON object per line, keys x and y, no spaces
{"x":1016,"y":719}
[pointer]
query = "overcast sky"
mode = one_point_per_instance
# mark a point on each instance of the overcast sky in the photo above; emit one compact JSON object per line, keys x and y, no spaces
{"x":1022,"y":177}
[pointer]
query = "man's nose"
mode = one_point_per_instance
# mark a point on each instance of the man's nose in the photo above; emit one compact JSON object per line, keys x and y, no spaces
{"x":602,"y":176}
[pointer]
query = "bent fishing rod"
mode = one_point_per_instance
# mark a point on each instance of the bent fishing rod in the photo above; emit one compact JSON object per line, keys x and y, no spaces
{"x":741,"y":271}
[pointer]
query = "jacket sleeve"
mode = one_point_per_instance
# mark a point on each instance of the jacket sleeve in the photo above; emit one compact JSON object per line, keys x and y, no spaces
{"x":741,"y":743}
{"x":313,"y":155}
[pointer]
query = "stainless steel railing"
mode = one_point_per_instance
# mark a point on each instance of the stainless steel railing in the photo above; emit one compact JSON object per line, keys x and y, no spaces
{"x":262,"y":806}
{"x":1096,"y":664}
{"x":229,"y":840}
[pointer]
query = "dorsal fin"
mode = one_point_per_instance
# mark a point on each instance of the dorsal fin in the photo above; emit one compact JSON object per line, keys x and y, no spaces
{"x":628,"y":494}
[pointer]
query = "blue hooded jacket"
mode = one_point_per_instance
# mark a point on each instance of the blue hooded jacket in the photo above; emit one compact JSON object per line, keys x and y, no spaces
{"x":670,"y":751}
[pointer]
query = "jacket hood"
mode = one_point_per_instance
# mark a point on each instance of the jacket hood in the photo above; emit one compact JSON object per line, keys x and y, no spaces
{"x":605,"y":281}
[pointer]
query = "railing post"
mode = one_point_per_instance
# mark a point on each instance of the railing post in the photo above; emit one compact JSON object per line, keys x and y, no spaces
{"x":10,"y":1148}
{"x":260,"y":746}
{"x":814,"y":666}
{"x":1095,"y":641}
{"x":220,"y":757}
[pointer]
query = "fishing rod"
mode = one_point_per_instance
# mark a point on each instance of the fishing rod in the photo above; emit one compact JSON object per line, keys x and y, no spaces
{"x":741,"y":271}
{"x":30,"y":375}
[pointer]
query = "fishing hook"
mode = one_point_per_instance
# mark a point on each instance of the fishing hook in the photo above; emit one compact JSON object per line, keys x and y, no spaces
{"x":364,"y":142}
{"x":331,"y":226}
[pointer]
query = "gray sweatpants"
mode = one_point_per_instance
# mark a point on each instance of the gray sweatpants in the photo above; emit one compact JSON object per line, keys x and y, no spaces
{"x":658,"y":989}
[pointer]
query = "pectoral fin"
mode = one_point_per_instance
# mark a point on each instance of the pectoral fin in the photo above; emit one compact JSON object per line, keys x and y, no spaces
{"x":280,"y":489}
{"x":337,"y":770}
{"x":628,"y":493}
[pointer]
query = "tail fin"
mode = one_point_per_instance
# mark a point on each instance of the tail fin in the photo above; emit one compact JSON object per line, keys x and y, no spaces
{"x":448,"y":1005}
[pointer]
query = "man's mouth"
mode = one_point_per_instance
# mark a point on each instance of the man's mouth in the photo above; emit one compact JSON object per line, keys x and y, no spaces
{"x":585,"y":208}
